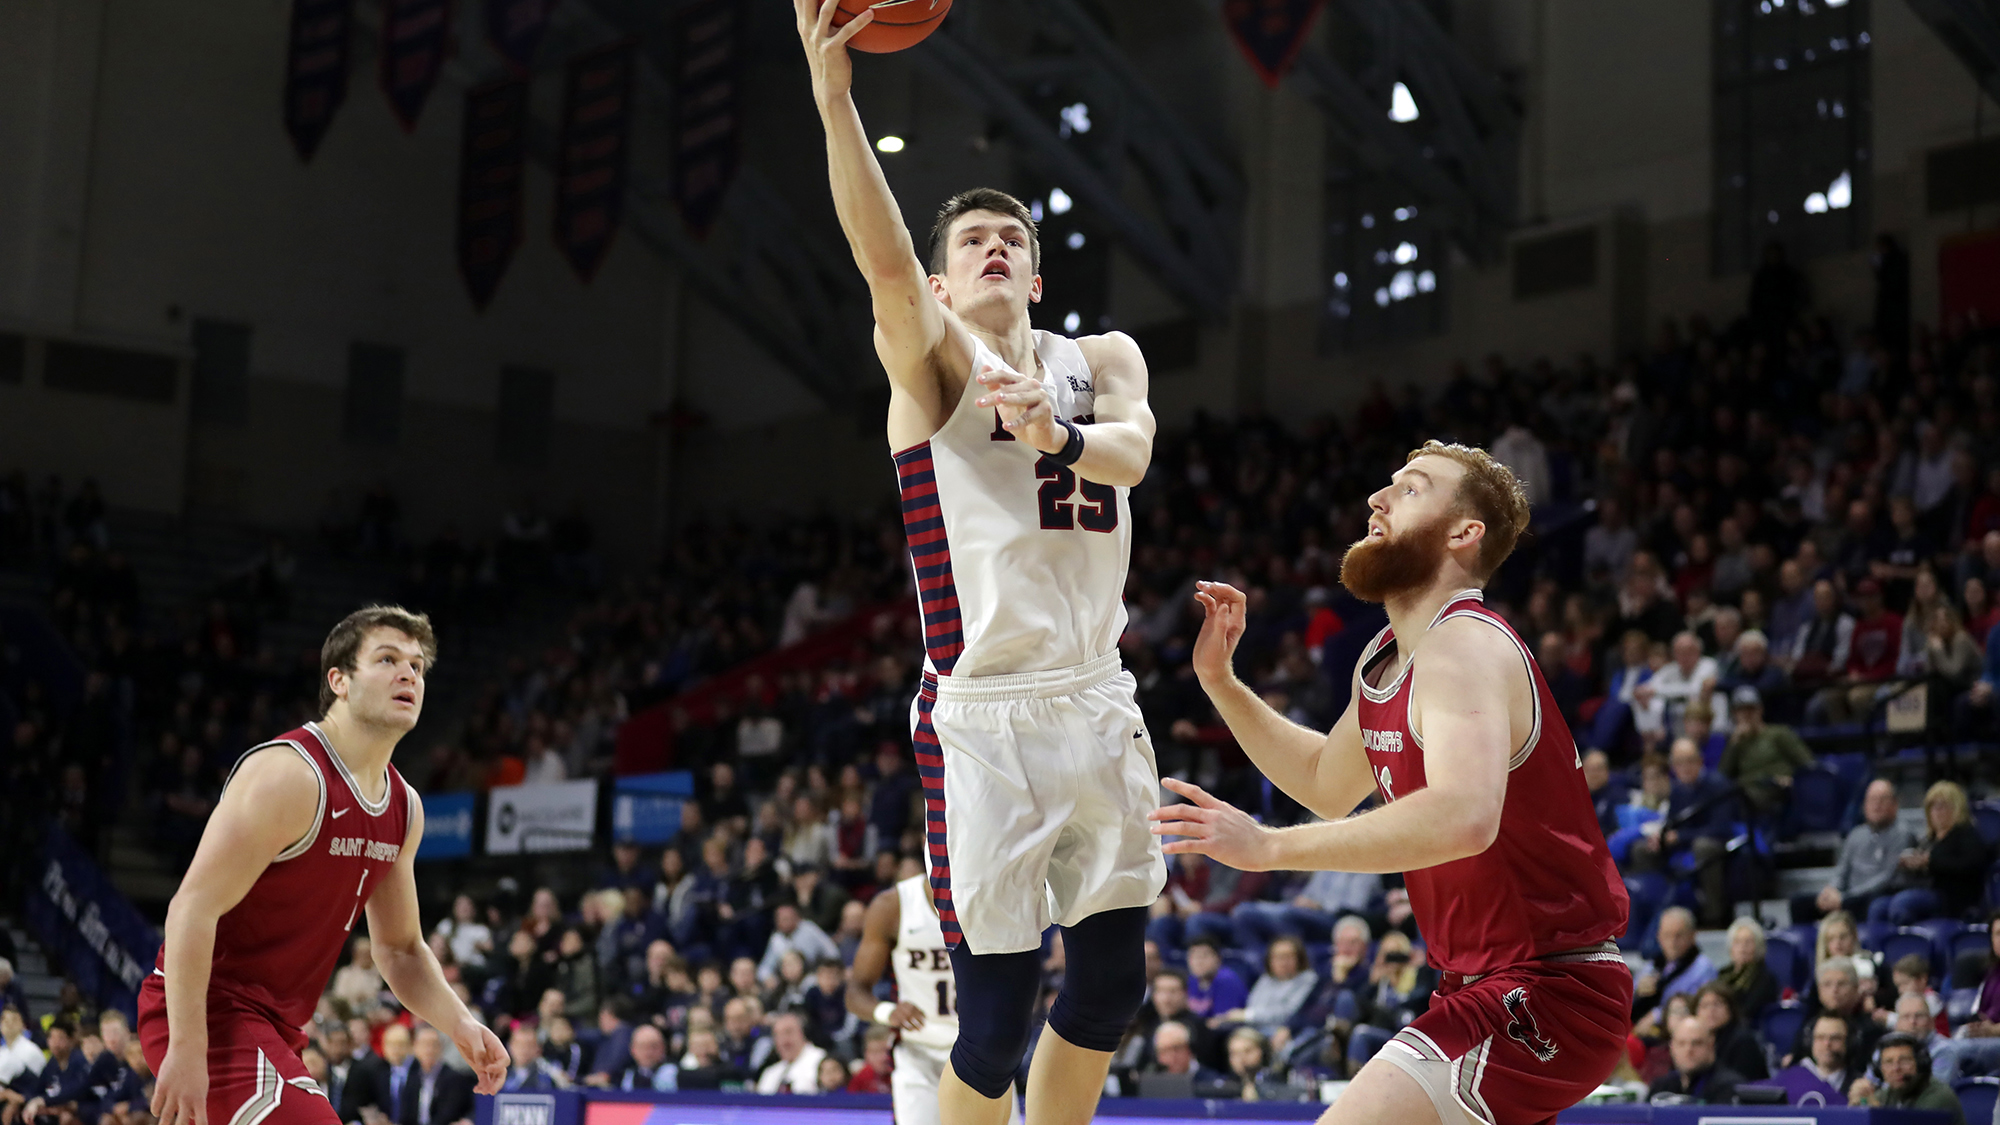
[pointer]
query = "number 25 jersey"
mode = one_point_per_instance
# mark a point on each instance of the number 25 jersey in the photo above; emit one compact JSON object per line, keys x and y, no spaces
{"x":275,"y":950}
{"x":1020,"y":563}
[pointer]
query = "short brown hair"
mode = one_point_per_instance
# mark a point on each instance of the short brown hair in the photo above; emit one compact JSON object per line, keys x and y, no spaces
{"x":981,"y":199}
{"x":343,"y":645}
{"x":1488,"y":492}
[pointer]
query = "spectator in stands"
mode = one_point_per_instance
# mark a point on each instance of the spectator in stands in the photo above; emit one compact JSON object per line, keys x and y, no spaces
{"x":1605,"y":796}
{"x":129,"y":1102}
{"x":529,"y":1074}
{"x":1609,"y":544}
{"x":1173,"y":1053}
{"x":1737,"y":1046}
{"x":21,"y":1062}
{"x":1167,"y":1003}
{"x":1200,"y":897}
{"x":793,"y":933}
{"x":1748,"y":979}
{"x":64,"y":1081}
{"x":1249,"y":1061}
{"x":1700,"y":816}
{"x":1874,"y":645}
{"x":1749,"y":664}
{"x":1821,"y":646}
{"x":1278,"y":994}
{"x":877,"y":1064}
{"x":1399,"y":986}
{"x":1973,"y":711}
{"x":1870,"y":862}
{"x":648,"y":1068}
{"x":576,"y":975}
{"x":1979,"y":1037}
{"x":1907,"y":1081}
{"x":1791,"y":609}
{"x":1696,"y":1076}
{"x":853,"y":918}
{"x":11,"y":992}
{"x":560,"y":1048}
{"x":471,"y":940}
{"x":1824,"y":1063}
{"x":1837,"y":992}
{"x":1915,"y":1018}
{"x":704,"y":1067}
{"x":819,"y":899}
{"x":895,"y":789}
{"x":435,"y":1094}
{"x":1950,"y":862}
{"x":1761,"y":757}
{"x":1689,"y":676}
{"x":1214,"y":988}
{"x":741,"y":1042}
{"x":1679,"y":967}
{"x":795,"y":1069}
{"x":1839,"y":935}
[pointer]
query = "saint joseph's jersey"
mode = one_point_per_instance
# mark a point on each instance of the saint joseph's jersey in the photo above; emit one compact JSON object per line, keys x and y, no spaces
{"x":1547,"y":884}
{"x":276,"y":949}
{"x":923,"y":966}
{"x":1020,"y":564}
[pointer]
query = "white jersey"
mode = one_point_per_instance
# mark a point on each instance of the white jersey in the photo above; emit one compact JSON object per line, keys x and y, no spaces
{"x":923,"y":966}
{"x":1020,"y":564}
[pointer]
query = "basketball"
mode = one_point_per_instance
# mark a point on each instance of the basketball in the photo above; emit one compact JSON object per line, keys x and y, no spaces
{"x":897,"y":24}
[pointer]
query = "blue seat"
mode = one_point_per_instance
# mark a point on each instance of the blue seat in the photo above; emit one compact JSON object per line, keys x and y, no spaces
{"x":1817,"y":801}
{"x":1365,"y":1041}
{"x":1971,"y":939}
{"x":1780,"y":1024}
{"x":1246,"y":968}
{"x":1986,"y":817}
{"x":1786,"y":960}
{"x":1873,"y":934}
{"x":1941,"y":931}
{"x":1906,"y":942}
{"x":1959,"y":1003}
{"x":1976,"y":1096}
{"x":1993,"y":884}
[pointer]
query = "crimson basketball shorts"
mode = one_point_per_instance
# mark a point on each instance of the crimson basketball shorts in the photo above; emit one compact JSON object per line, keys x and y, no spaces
{"x":1520,"y":1044}
{"x":254,"y":1073}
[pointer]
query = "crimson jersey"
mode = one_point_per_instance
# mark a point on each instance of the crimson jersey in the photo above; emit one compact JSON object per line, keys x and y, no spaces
{"x":1547,"y":884}
{"x":276,"y":949}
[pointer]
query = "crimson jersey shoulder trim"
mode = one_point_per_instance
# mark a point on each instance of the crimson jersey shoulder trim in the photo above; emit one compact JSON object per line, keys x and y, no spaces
{"x":372,"y":808}
{"x":1520,"y":756}
{"x":298,"y":847}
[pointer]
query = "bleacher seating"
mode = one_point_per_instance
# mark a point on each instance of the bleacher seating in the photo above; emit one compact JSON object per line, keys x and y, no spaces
{"x":1977,"y":1096}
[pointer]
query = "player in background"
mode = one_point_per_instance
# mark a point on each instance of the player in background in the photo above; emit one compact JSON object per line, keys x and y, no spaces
{"x":1015,"y":450}
{"x":901,"y":932}
{"x":314,"y":831}
{"x":1484,"y":807}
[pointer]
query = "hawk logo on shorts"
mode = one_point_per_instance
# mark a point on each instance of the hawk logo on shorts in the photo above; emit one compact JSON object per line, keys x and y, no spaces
{"x":1524,"y":1029}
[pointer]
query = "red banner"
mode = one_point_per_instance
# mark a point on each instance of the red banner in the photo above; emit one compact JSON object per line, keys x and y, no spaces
{"x":1270,"y":32}
{"x":515,"y":28}
{"x":316,"y":70}
{"x":1969,"y":277}
{"x":707,"y":76}
{"x":491,"y":160}
{"x":590,"y":165}
{"x":416,"y":34}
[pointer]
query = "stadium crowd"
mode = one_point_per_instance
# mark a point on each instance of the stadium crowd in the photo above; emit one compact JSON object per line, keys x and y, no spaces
{"x":1753,"y":548}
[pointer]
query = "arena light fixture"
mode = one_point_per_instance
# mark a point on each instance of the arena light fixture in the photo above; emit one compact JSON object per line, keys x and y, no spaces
{"x":1402,"y":105}
{"x":1406,"y":252}
{"x":1073,"y":321}
{"x":1075,"y":240}
{"x":1059,"y":201}
{"x":889,"y":143}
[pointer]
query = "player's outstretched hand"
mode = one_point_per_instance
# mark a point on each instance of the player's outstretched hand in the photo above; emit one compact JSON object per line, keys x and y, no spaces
{"x":1221,"y":627}
{"x":826,"y":48}
{"x":1214,"y":828}
{"x":483,"y":1053}
{"x":1024,"y":407}
{"x":180,"y":1090}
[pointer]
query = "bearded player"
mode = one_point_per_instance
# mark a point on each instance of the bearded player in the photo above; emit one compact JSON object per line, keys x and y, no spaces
{"x":1015,"y":450}
{"x":1484,"y":807}
{"x":314,"y":830}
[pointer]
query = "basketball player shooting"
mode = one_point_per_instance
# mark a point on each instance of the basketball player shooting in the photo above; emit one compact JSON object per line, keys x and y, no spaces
{"x":1484,"y":808}
{"x":315,"y":829}
{"x":1015,"y":450}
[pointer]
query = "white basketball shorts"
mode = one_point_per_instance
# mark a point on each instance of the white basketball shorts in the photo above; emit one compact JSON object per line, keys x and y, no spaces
{"x":1036,"y":790}
{"x":913,"y":1085}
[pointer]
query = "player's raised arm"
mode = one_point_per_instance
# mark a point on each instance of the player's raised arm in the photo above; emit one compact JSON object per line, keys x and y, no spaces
{"x":1466,"y":715}
{"x":871,"y":957}
{"x":410,"y":969}
{"x":909,"y":322}
{"x":269,"y":804}
{"x":1326,"y":773}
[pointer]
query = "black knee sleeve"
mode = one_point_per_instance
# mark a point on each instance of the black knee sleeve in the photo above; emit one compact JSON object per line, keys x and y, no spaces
{"x":996,"y":1000}
{"x":1104,"y":980}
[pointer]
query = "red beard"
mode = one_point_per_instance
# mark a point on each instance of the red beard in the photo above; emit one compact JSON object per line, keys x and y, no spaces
{"x":1376,"y":570}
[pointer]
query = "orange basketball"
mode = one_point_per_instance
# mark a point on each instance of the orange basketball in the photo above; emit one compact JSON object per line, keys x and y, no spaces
{"x":897,"y":24}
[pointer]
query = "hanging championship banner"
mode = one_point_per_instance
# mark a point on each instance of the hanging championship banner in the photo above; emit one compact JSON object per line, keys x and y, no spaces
{"x":491,"y":158}
{"x":707,"y":72}
{"x":316,"y":70}
{"x":515,"y":28}
{"x":1270,"y":32}
{"x":590,"y":166}
{"x":415,"y":36}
